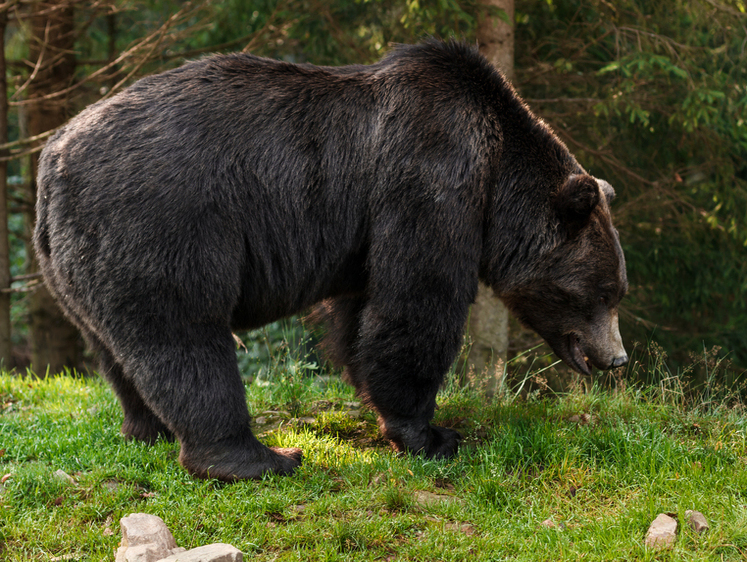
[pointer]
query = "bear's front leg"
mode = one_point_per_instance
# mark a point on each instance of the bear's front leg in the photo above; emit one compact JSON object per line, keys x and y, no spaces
{"x":400,"y":358}
{"x":419,"y":436}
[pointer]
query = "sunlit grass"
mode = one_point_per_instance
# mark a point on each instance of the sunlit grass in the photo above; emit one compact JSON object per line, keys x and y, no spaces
{"x":599,"y":464}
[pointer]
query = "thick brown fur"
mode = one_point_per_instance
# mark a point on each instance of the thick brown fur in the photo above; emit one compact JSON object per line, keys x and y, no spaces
{"x":236,"y":190}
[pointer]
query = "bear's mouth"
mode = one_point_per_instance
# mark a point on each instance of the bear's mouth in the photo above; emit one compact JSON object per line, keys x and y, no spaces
{"x":580,"y":361}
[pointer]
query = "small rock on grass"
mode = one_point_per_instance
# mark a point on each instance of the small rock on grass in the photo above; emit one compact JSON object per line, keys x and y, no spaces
{"x":146,"y":538}
{"x":662,"y":532}
{"x":697,"y":521}
{"x":429,"y":499}
{"x":550,"y":524}
{"x":463,"y":528}
{"x":64,"y":476}
{"x":583,"y":419}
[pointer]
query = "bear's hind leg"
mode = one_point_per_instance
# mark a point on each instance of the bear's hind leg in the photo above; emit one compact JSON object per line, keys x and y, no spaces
{"x":139,"y":420}
{"x":340,"y":317}
{"x":190,"y":379}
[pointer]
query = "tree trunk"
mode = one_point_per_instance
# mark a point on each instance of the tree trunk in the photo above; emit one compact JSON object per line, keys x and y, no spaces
{"x":496,"y":36}
{"x":488,"y":323}
{"x":5,"y":343}
{"x":55,"y":342}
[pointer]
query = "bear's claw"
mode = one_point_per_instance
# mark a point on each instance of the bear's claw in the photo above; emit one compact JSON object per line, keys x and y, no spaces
{"x":443,"y":443}
{"x":419,"y":437}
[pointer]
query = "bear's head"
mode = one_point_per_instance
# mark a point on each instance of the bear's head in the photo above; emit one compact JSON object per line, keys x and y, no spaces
{"x":572,"y":296}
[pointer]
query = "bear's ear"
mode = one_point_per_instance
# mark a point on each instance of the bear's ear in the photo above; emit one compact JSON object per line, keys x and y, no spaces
{"x":576,"y":199}
{"x":607,"y":189}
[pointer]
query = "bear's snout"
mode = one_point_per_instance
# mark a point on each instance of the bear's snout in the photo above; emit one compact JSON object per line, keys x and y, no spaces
{"x":606,"y":348}
{"x":619,"y":361}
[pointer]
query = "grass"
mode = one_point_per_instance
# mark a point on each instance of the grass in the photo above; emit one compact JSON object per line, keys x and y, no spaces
{"x":599,"y":464}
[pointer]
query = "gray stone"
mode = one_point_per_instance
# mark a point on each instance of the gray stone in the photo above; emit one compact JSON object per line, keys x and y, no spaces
{"x":218,"y":552}
{"x":143,"y":528}
{"x":697,"y":521}
{"x":550,"y":524}
{"x":429,"y":499}
{"x":145,"y":538}
{"x":142,"y":553}
{"x":583,"y":419}
{"x":64,"y":476}
{"x":662,"y":532}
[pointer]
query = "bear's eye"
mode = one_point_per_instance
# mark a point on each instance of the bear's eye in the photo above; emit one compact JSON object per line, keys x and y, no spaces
{"x":606,"y":294}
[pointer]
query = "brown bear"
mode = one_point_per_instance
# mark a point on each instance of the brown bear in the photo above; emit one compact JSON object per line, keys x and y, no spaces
{"x":237,"y":190}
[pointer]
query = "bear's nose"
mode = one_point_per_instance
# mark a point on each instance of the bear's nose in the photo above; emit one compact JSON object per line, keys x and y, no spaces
{"x":619,"y":361}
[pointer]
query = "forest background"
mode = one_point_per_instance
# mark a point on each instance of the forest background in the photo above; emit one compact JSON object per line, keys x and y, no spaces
{"x":650,"y":96}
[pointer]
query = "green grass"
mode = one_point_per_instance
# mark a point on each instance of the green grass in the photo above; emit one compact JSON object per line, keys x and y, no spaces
{"x":641,"y":453}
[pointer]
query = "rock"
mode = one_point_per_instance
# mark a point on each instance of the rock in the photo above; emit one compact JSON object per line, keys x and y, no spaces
{"x":583,"y":419}
{"x":429,"y":499}
{"x":550,"y":524}
{"x":298,"y":509}
{"x":218,"y":552}
{"x":697,"y":521}
{"x":321,"y":405}
{"x":111,"y":485}
{"x":145,"y":538}
{"x":143,"y":528}
{"x":662,"y":532}
{"x":64,"y":476}
{"x":107,"y":532}
{"x":463,"y":528}
{"x":143,"y":553}
{"x":271,"y":413}
{"x":379,"y":479}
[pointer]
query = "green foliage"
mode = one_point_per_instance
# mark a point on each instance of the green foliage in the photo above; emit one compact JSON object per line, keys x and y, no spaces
{"x":335,"y":32}
{"x":265,"y":352}
{"x":650,"y":96}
